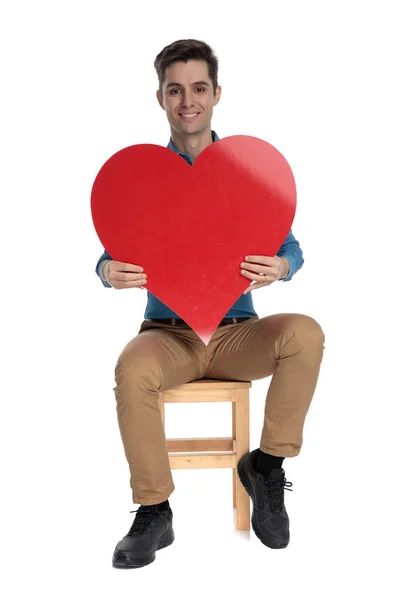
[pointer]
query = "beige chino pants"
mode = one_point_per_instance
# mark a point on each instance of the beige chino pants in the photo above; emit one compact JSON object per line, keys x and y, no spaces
{"x":288,"y":346}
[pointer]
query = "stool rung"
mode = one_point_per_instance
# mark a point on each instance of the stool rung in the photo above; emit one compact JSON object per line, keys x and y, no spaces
{"x":225,"y":460}
{"x":218,"y":444}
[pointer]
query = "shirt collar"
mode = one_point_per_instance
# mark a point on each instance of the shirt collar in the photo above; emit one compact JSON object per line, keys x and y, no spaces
{"x":172,"y":146}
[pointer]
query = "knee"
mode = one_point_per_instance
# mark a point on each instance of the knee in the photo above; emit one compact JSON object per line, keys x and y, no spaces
{"x":136,"y":370}
{"x":308,"y":330}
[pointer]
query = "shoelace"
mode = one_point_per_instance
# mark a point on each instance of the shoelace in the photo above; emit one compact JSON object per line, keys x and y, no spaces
{"x":275,"y":500}
{"x":145,"y":516}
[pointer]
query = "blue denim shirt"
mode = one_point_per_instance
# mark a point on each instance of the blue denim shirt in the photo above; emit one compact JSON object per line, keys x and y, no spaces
{"x":243,"y":307}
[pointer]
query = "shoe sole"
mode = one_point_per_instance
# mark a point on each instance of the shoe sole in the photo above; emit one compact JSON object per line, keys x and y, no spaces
{"x":247,"y":486}
{"x":146,"y":560}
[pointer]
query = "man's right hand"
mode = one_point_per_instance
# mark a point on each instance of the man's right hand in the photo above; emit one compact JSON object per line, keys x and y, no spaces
{"x":122,"y":275}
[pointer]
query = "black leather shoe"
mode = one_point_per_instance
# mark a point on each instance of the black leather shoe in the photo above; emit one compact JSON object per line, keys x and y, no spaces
{"x":150,"y":531}
{"x":269,"y":518}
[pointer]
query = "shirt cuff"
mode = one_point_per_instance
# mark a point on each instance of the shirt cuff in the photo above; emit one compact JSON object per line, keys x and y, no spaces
{"x":102,"y":274}
{"x":289,"y":275}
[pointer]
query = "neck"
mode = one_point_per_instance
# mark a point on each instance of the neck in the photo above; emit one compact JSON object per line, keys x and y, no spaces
{"x":192,"y":144}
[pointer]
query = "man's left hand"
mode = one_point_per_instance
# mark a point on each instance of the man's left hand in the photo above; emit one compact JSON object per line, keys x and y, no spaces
{"x":255,"y":267}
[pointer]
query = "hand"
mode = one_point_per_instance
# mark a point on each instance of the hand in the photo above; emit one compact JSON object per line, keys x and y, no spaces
{"x":271,"y":266}
{"x":122,"y":275}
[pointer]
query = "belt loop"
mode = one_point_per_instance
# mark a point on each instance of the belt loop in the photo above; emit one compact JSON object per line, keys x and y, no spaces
{"x":234,"y":319}
{"x":173,"y":321}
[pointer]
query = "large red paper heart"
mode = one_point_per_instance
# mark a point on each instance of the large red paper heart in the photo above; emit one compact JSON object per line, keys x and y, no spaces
{"x":190,"y":227}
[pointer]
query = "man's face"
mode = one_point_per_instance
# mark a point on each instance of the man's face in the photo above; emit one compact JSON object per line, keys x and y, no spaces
{"x":187,"y":90}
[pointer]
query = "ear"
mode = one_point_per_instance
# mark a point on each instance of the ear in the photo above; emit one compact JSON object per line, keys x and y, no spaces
{"x":217,"y":95}
{"x":160,"y":99}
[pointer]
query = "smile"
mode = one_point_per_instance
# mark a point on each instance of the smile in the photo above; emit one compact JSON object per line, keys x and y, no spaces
{"x":189,"y":116}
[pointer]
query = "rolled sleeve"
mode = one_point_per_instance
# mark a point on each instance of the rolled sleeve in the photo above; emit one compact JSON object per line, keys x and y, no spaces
{"x":103,"y":257}
{"x":291,"y":250}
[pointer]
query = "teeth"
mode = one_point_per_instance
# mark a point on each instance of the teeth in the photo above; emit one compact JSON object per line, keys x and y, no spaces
{"x":189,"y":116}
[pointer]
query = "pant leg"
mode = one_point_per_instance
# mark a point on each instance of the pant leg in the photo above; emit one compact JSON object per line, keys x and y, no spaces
{"x":159,"y":358}
{"x":288,"y":346}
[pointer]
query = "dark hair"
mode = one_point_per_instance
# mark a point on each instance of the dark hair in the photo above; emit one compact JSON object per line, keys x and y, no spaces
{"x":185,"y":50}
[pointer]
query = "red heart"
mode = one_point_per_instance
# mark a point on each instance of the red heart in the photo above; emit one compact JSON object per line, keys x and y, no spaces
{"x":190,"y":227}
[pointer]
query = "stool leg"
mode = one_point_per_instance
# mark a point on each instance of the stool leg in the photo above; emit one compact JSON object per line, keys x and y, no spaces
{"x":242,"y":447}
{"x":234,"y":471}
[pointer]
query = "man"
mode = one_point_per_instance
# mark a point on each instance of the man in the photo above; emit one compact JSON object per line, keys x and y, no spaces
{"x":166,"y":352}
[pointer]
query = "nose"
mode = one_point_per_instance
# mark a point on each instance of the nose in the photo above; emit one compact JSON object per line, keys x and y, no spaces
{"x":187,"y":100}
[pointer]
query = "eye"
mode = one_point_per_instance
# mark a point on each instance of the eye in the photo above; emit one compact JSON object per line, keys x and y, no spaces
{"x":176,"y":90}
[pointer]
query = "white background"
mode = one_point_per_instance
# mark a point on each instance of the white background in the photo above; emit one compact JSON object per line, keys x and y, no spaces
{"x":318,"y":81}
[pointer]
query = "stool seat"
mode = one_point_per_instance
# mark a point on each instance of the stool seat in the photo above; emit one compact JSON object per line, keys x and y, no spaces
{"x":214,"y":453}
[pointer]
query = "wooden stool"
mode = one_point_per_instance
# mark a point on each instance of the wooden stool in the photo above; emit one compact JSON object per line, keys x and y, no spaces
{"x":214,"y":453}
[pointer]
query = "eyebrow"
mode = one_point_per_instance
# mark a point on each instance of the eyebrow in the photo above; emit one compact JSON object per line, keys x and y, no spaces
{"x":175,"y":84}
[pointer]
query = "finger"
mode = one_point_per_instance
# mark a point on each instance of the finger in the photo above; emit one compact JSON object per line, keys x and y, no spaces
{"x":254,"y":276}
{"x":250,"y":288}
{"x":126,"y":267}
{"x":262,"y":260}
{"x":255,"y":286}
{"x":127,"y":284}
{"x":128,"y":277}
{"x":257,"y":268}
